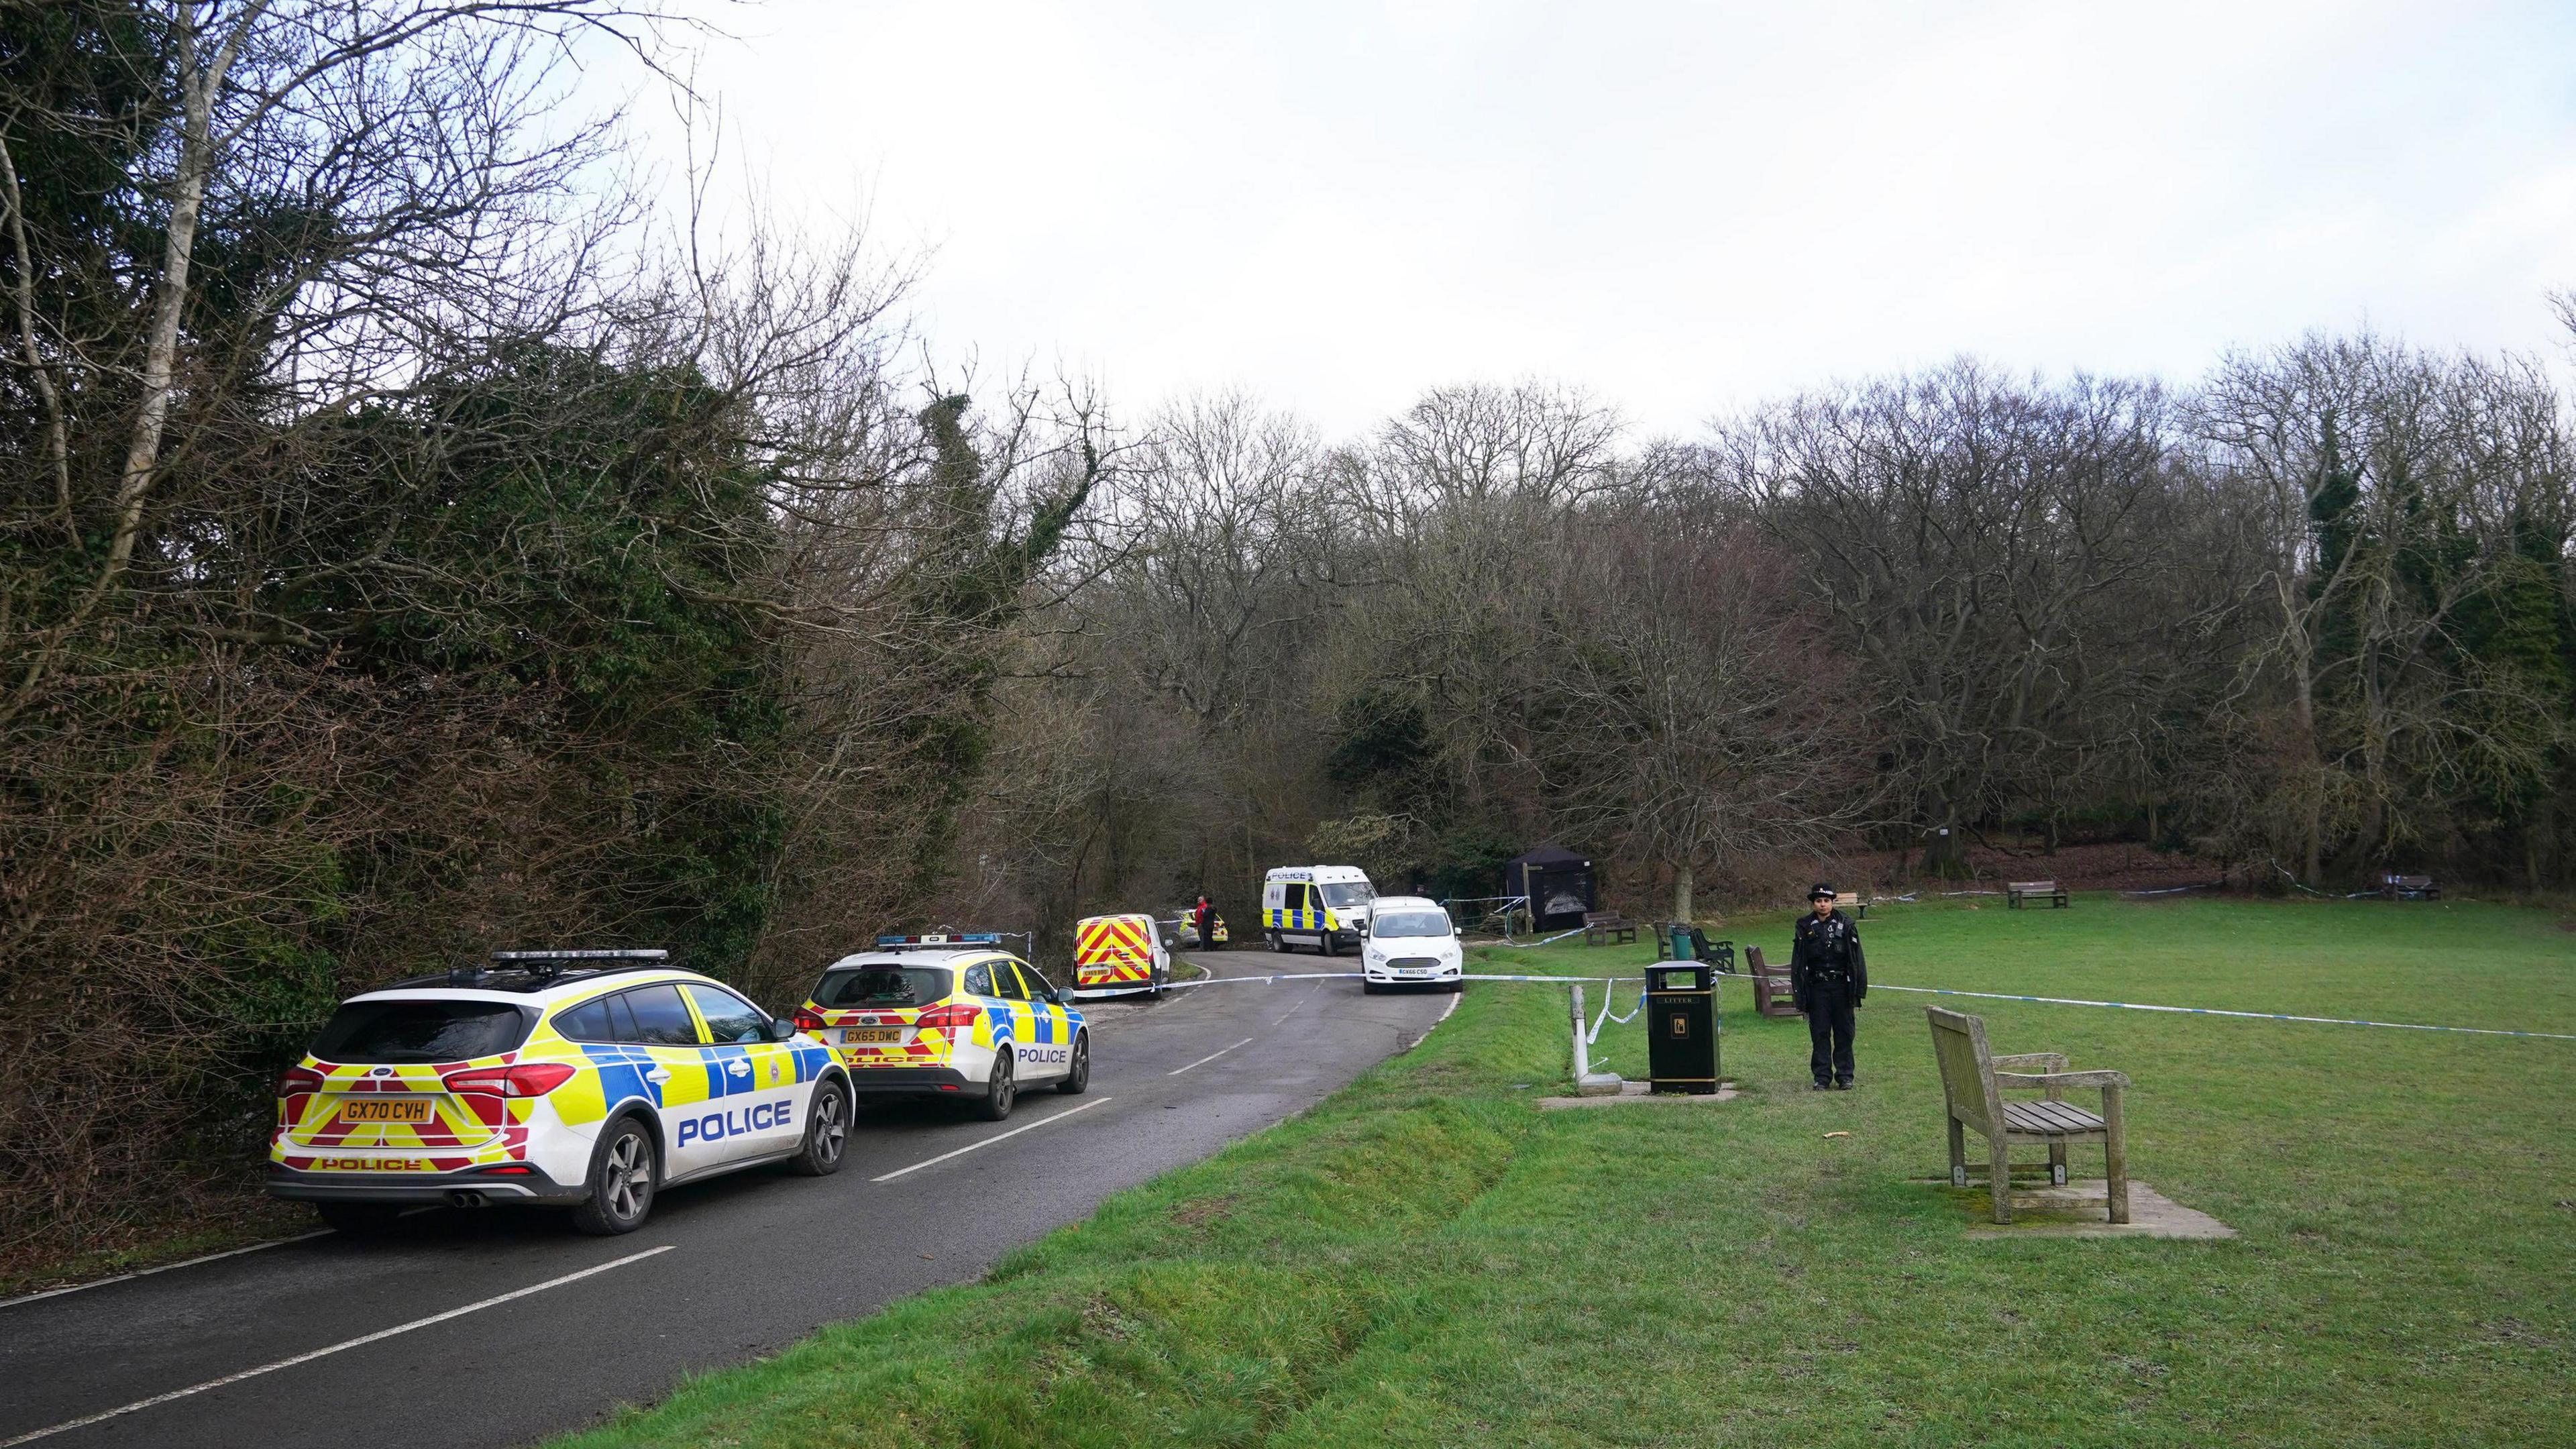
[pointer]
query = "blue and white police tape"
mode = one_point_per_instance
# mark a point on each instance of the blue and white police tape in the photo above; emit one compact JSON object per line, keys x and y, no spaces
{"x":2218,"y":1011}
{"x":1268,"y":977}
{"x":1943,"y":991}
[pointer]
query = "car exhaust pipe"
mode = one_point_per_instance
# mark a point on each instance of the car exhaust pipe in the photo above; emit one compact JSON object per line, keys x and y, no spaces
{"x":465,"y":1199}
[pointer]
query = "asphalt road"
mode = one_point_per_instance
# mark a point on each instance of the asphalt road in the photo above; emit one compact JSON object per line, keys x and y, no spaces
{"x":726,"y":1269}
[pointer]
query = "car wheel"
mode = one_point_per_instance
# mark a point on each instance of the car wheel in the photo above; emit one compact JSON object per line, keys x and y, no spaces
{"x":1329,"y":944}
{"x":827,"y":1131}
{"x":1001,"y":1089}
{"x":1368,"y":987}
{"x":361,"y":1219}
{"x":622,"y":1178}
{"x":1078,"y":1080}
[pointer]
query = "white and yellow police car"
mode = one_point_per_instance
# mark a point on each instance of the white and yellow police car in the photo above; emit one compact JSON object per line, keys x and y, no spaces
{"x":949,"y":1016}
{"x":586,"y":1080}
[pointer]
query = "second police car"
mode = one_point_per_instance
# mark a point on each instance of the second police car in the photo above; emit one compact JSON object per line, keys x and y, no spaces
{"x":949,"y":1016}
{"x":586,"y":1080}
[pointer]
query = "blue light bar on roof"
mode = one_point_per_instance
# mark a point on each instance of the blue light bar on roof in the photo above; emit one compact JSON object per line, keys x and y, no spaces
{"x":973,"y":938}
{"x":582,"y":954}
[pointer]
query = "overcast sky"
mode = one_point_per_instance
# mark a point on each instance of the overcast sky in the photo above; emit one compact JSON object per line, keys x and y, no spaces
{"x":1683,"y":206}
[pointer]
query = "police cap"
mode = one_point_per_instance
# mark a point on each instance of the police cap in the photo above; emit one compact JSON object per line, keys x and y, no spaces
{"x":1821,"y":892}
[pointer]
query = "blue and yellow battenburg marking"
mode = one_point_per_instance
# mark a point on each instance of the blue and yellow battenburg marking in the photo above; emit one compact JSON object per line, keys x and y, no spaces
{"x":456,"y":1131}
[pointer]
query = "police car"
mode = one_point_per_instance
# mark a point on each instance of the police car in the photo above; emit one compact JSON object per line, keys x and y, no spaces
{"x":587,"y":1080}
{"x":950,"y":1016}
{"x":1411,"y":939}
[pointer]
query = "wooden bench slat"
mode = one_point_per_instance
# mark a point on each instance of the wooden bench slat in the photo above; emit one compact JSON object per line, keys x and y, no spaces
{"x":2049,"y":1117}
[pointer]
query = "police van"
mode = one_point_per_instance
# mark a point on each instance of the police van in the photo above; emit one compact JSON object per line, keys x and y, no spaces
{"x":1323,"y":906}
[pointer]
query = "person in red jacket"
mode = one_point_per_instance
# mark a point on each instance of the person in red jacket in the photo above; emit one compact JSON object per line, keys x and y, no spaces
{"x":1203,"y":916}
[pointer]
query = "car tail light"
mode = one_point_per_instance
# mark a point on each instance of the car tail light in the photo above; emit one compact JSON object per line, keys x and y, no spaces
{"x":950,"y":1017}
{"x":528,"y":1079}
{"x":808,"y":1019}
{"x":295,"y":1081}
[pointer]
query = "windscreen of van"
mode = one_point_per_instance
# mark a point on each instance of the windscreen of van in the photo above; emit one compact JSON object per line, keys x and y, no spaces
{"x":1344,"y":894}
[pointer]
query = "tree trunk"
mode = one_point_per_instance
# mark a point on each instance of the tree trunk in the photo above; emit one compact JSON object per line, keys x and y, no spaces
{"x":1681,"y":893}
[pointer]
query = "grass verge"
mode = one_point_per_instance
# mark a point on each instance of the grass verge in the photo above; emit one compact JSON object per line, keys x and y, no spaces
{"x":1426,"y":1259}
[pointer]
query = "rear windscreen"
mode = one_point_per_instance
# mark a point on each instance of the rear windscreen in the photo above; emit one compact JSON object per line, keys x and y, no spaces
{"x":420,"y":1031}
{"x":883,"y":986}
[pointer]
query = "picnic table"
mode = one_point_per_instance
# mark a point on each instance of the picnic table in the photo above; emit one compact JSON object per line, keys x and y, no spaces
{"x":2395,"y":887}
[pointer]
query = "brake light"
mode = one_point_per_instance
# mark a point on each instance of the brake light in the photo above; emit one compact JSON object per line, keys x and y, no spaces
{"x":528,"y":1079}
{"x":808,"y":1019}
{"x":949,"y":1017}
{"x":296,"y":1081}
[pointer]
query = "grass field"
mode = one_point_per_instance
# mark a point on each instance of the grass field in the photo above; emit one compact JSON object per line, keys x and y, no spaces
{"x":1426,"y":1259}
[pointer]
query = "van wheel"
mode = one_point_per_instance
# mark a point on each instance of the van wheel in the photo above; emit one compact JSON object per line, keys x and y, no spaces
{"x":360,"y":1219}
{"x":1000,"y":1089}
{"x":622,"y":1179}
{"x":827,"y":1131}
{"x":1329,"y":944}
{"x":1276,"y":945}
{"x":1078,"y":1079}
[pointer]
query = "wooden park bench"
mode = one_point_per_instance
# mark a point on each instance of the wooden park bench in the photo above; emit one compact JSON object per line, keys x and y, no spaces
{"x":1851,"y":901}
{"x":1771,"y":995}
{"x":1600,"y":927}
{"x":2409,"y":888}
{"x":1974,"y":1088}
{"x":2034,"y":890}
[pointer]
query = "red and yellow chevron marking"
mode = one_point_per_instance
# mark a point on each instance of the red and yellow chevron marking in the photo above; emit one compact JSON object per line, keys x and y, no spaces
{"x":316,"y":1132}
{"x":1113,"y":950}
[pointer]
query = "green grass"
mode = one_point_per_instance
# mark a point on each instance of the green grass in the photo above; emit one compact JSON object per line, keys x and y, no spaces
{"x":1426,"y":1259}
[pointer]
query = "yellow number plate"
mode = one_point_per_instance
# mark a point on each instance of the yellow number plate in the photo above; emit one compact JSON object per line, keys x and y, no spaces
{"x":386,"y":1109}
{"x":872,"y":1036}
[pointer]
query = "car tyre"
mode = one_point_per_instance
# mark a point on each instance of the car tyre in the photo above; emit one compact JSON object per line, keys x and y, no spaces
{"x":1276,"y":945}
{"x":1368,"y":987}
{"x":361,"y":1219}
{"x":827,"y":1131}
{"x":1001,"y":1089}
{"x":1078,"y":1080}
{"x":624,"y":1171}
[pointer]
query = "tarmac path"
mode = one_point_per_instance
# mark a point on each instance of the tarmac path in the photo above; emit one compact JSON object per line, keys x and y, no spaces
{"x":535,"y":1330}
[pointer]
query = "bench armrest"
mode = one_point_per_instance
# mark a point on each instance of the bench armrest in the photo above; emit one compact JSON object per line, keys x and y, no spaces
{"x":2052,"y":1061}
{"x":2061,"y":1079}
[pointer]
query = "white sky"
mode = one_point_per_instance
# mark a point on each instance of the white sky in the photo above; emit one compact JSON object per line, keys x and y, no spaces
{"x":1682,"y":207}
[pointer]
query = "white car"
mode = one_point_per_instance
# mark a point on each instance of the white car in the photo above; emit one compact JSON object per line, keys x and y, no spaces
{"x":1410,"y":939}
{"x":587,"y":1080}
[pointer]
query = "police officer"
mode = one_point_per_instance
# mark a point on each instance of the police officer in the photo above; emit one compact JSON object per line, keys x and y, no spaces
{"x":1827,"y":978}
{"x":1203,"y":917}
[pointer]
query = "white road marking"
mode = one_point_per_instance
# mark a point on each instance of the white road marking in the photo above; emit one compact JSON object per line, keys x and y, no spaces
{"x":1454,"y":998}
{"x":1300,"y":1006}
{"x":969,"y":1147}
{"x":379,"y":1335}
{"x":164,"y":1268}
{"x":1211,"y":1056}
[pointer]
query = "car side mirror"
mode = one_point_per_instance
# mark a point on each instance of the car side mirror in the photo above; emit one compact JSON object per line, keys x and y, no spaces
{"x":781,"y":1029}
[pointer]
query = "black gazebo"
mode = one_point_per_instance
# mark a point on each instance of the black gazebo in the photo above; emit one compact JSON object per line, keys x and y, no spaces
{"x":1558,"y":883}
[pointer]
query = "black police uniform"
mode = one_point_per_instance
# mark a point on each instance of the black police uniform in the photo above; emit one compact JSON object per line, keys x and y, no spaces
{"x":1827,"y":978}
